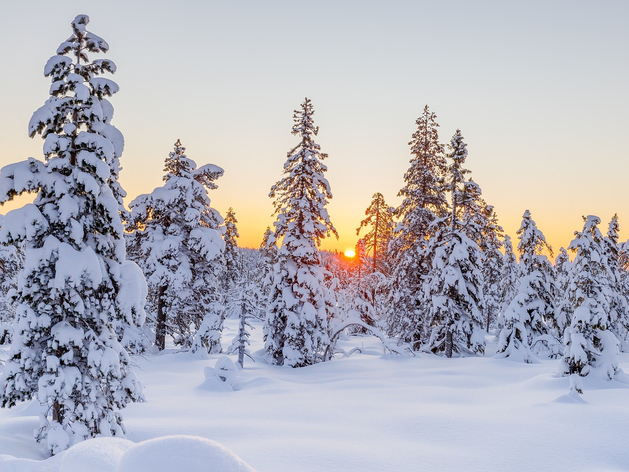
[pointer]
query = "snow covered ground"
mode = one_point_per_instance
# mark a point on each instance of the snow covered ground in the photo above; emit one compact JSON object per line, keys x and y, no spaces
{"x":366,"y":412}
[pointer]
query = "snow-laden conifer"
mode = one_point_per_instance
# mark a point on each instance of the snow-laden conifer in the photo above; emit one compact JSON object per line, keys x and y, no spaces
{"x":589,"y":344}
{"x":243,"y":304}
{"x":455,"y":287}
{"x":176,"y":240}
{"x":510,"y":276}
{"x":230,"y":254}
{"x":379,"y":217}
{"x":563,"y":267}
{"x":619,"y":306}
{"x":424,"y":200}
{"x":72,"y":306}
{"x":534,"y":303}
{"x":10,"y":264}
{"x":300,"y":304}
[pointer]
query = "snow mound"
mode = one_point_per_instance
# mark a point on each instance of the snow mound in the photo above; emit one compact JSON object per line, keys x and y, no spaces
{"x":220,"y":377}
{"x":96,"y":455}
{"x":184,"y":453}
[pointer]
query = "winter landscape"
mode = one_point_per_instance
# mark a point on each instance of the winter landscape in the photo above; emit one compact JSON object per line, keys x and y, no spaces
{"x":137,"y":333}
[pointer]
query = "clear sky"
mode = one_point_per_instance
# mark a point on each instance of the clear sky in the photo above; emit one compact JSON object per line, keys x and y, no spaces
{"x":538,"y":88}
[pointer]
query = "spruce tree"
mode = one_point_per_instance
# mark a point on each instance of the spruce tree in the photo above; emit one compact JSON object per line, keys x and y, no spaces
{"x":534,"y":303}
{"x":379,"y":217}
{"x":589,"y":344}
{"x":455,"y":287}
{"x":510,"y":275}
{"x":176,"y":240}
{"x":230,"y":255}
{"x":424,"y":200}
{"x":69,"y":297}
{"x":563,"y":268}
{"x":11,"y":260}
{"x":619,"y":306}
{"x":295,"y":331}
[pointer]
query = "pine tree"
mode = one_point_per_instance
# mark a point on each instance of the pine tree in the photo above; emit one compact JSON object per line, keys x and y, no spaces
{"x":563,"y":267}
{"x":230,"y":255}
{"x":455,"y":287}
{"x":589,"y":345}
{"x":380,"y":220}
{"x":424,"y":200}
{"x":175,"y":239}
{"x":243,"y":304}
{"x":300,"y":304}
{"x":510,"y":276}
{"x":70,"y":293}
{"x":619,"y":306}
{"x":10,"y":265}
{"x":492,"y":264}
{"x":536,"y":289}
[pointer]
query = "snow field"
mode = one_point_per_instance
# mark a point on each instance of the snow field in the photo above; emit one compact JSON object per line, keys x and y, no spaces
{"x":367,"y":412}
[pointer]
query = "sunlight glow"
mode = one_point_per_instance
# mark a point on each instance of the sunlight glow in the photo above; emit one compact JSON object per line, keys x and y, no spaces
{"x":350,"y":253}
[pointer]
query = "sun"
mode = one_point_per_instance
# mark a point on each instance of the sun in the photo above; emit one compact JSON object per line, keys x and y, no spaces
{"x":350,"y":253}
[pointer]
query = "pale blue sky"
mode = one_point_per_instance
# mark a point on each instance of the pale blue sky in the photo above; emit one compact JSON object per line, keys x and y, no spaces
{"x":538,"y":88}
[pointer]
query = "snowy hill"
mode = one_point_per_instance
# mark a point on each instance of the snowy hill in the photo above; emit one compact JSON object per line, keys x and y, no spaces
{"x":367,"y":412}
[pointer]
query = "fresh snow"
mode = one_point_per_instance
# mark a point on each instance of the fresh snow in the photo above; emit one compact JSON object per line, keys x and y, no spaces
{"x":368,"y":412}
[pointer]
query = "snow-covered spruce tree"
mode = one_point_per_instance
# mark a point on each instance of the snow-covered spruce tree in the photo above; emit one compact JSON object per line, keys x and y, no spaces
{"x":535,"y":301}
{"x":589,"y":345}
{"x":69,"y":298}
{"x":455,"y":283}
{"x":230,"y":254}
{"x":295,"y":331}
{"x":243,"y":304}
{"x":266,"y":263}
{"x":492,"y":264}
{"x":11,"y":261}
{"x":424,"y":200}
{"x":175,"y":238}
{"x":618,"y":304}
{"x":379,"y":217}
{"x":510,"y":277}
{"x":563,"y":267}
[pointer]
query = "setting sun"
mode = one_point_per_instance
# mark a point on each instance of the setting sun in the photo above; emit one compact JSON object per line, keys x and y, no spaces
{"x":350,"y":253}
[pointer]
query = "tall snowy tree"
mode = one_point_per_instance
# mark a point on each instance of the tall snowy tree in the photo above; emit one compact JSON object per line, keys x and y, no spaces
{"x":176,"y":240}
{"x":618,"y":304}
{"x":455,"y":283}
{"x":563,"y":268}
{"x":70,"y":296}
{"x":424,"y":200}
{"x":10,"y":264}
{"x":230,"y":254}
{"x":379,"y":217}
{"x":300,"y":304}
{"x":510,"y":275}
{"x":589,"y":344}
{"x":534,"y":303}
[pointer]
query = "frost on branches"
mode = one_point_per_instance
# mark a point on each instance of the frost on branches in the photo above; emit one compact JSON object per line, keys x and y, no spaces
{"x":589,"y":344}
{"x":296,"y":327}
{"x":66,"y":351}
{"x":176,"y":240}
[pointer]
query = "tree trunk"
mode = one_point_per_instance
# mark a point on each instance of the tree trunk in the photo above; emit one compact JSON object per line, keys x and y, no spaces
{"x":448,"y":343}
{"x":160,"y":328}
{"x":57,"y":412}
